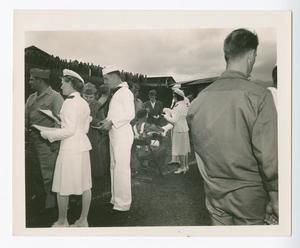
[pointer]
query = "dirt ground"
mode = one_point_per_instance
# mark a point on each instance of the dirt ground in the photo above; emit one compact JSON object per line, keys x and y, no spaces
{"x":158,"y":200}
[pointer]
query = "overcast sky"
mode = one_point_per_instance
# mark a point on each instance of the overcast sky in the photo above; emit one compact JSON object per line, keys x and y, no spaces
{"x":183,"y":54}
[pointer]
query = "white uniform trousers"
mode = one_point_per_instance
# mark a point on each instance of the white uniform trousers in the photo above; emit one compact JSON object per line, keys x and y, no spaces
{"x":120,"y":151}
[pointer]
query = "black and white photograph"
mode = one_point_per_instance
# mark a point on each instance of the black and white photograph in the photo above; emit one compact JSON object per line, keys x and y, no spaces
{"x":159,"y":127}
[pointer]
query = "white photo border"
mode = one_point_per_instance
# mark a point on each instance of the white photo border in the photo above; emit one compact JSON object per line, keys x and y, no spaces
{"x":67,"y":20}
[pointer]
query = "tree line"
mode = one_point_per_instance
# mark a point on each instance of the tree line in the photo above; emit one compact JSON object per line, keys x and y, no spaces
{"x":34,"y":57}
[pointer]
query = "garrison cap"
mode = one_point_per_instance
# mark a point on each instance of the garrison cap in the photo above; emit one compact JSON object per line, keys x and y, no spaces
{"x":40,"y":73}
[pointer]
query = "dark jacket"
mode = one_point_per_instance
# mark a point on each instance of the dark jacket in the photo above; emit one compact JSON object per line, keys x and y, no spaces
{"x":154,"y":116}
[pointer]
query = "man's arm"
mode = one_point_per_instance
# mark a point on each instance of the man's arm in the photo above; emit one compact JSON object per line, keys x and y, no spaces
{"x":57,"y":104}
{"x":264,"y":141}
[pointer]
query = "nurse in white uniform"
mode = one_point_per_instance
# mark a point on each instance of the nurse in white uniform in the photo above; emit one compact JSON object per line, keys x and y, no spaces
{"x":72,"y":173}
{"x":120,"y":113}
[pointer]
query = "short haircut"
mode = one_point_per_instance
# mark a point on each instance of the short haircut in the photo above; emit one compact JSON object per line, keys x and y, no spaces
{"x":274,"y":76}
{"x":178,"y":97}
{"x":142,"y":113}
{"x":76,"y":83}
{"x":239,"y":42}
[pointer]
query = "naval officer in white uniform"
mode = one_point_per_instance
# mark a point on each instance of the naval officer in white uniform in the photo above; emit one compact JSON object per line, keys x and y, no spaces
{"x":120,"y":113}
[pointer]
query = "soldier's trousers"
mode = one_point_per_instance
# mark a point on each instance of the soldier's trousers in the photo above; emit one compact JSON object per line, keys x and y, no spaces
{"x":46,"y":154}
{"x":245,"y":206}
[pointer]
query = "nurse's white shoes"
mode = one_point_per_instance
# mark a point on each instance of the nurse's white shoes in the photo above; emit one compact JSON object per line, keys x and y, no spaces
{"x":59,"y":224}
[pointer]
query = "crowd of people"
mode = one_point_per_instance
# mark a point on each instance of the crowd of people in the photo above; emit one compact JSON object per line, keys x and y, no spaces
{"x":232,"y":125}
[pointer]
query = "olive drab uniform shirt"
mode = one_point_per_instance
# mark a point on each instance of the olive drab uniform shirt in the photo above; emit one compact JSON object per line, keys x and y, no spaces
{"x":234,"y":130}
{"x":49,"y":99}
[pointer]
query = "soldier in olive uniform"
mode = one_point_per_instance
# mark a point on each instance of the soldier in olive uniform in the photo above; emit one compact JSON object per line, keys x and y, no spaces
{"x":44,"y":98}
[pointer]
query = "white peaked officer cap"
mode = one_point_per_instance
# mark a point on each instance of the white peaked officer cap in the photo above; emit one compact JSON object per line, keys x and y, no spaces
{"x":67,"y":72}
{"x":109,"y":69}
{"x":179,"y":92}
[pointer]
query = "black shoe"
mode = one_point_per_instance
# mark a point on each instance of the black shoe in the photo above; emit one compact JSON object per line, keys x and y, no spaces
{"x":119,"y":213}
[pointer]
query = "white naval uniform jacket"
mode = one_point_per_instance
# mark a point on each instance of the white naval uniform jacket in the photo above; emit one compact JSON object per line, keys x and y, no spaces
{"x":178,"y":117}
{"x":121,"y":109}
{"x":75,"y":121}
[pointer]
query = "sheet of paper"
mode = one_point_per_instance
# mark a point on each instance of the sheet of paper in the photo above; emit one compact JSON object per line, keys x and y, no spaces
{"x":50,"y":114}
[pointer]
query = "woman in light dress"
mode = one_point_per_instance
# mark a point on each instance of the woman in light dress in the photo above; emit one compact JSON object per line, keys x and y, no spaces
{"x":72,"y":175}
{"x":180,"y":132}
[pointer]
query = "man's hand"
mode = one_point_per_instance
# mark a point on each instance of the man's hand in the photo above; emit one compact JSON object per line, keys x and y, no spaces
{"x":97,"y":125}
{"x":274,"y":202}
{"x":270,"y":217}
{"x":106,"y":125}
